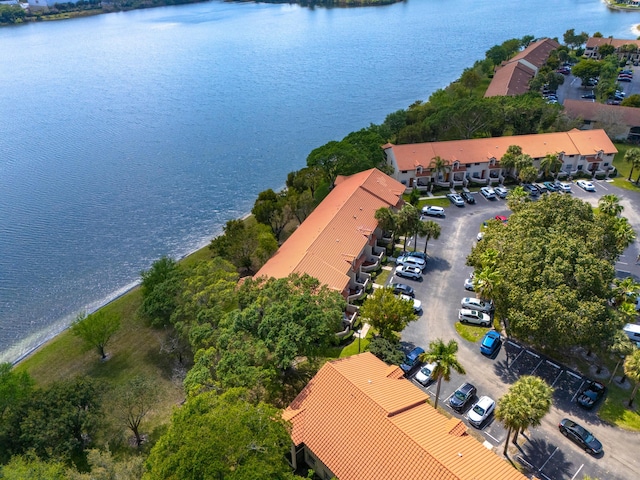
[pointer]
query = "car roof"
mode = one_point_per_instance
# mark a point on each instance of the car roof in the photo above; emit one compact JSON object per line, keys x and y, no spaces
{"x":485,"y":401}
{"x":465,"y":387}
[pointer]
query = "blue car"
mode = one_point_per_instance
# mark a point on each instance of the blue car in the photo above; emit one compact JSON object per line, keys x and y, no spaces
{"x":490,"y":342}
{"x":412,"y":359}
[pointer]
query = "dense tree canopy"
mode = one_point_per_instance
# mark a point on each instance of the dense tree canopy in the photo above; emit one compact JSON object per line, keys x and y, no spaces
{"x":550,"y":271}
{"x":222,"y":436}
{"x":387,"y":313}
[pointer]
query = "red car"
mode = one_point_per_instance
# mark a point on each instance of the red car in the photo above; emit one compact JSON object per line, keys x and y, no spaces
{"x":502,"y":218}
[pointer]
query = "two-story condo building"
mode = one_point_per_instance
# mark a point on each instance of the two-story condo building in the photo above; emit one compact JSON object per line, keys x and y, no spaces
{"x":478,"y":160}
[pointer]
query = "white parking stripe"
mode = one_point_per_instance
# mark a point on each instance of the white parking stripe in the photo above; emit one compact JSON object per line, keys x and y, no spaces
{"x":539,"y":363}
{"x":513,"y":344}
{"x":573,"y":374}
{"x":573,"y":399}
{"x":542,"y":467}
{"x":517,"y":356}
{"x":533,"y":354}
{"x":559,"y":375}
{"x":572,"y":478}
{"x":494,"y":438}
{"x":553,"y":364}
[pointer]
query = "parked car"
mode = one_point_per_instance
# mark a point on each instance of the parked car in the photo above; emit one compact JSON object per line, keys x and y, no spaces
{"x":412,"y":359}
{"x":589,"y":96}
{"x":476,"y":304}
{"x":402,"y":289}
{"x":488,"y":193}
{"x":586,"y":185}
{"x":501,"y":218}
{"x":530,"y":189}
{"x":550,"y":187}
{"x":466,"y":315}
{"x":624,"y":79}
{"x":580,"y":435}
{"x":490,"y":343}
{"x":541,"y":188}
{"x":433,"y":211}
{"x":590,"y":394}
{"x":408,"y":271}
{"x":563,"y":187}
{"x":417,"y":254}
{"x":411,"y":261}
{"x":462,"y":396}
{"x":456,"y":199}
{"x":481,"y":411}
{"x":480,"y":236}
{"x":417,"y":304}
{"x":468,"y":197}
{"x":468,"y":284}
{"x":501,"y":191}
{"x":425,"y":374}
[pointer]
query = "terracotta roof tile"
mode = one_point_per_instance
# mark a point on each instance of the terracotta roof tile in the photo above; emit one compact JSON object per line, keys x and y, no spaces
{"x":365,"y":424}
{"x":336,"y":232}
{"x":479,"y":150}
{"x":594,"y":42}
{"x":594,"y":111}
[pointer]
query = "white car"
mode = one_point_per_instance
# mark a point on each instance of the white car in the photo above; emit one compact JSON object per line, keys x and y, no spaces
{"x":417,"y":304}
{"x":425,"y":374}
{"x":466,"y":315}
{"x":409,"y":272}
{"x":481,"y":411}
{"x":433,"y":211}
{"x":480,"y":236}
{"x":501,"y":191}
{"x":586,"y":186}
{"x":411,"y":261}
{"x":488,"y":192}
{"x":472,"y":303}
{"x":456,"y":199}
{"x":563,"y":186}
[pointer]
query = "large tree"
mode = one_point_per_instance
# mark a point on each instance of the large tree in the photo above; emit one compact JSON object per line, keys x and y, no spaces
{"x":133,"y":401}
{"x":97,"y":329}
{"x":387,"y":313}
{"x":446,"y":360}
{"x":632,"y":370}
{"x":524,"y":405}
{"x":160,"y":287}
{"x":222,"y":436}
{"x":272,"y":209}
{"x":632,"y":156}
{"x":555,"y":260}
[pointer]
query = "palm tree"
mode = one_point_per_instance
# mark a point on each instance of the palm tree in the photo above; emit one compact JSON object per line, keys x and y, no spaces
{"x":550,"y":163}
{"x":625,"y":289}
{"x":508,"y":160}
{"x":444,"y":356}
{"x":429,"y":230}
{"x":525,"y":404}
{"x":621,"y":347}
{"x":408,"y":221}
{"x":632,"y":156}
{"x":632,"y":370}
{"x":439,"y":166}
{"x":623,"y":233}
{"x":487,"y":282}
{"x":388,"y":222}
{"x":610,"y":205}
{"x":517,"y":197}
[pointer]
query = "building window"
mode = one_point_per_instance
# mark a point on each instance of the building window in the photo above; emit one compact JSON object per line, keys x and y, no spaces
{"x":579,"y":168}
{"x":404,"y":171}
{"x":606,"y":164}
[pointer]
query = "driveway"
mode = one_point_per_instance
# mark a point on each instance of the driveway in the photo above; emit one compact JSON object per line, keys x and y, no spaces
{"x":548,"y":453}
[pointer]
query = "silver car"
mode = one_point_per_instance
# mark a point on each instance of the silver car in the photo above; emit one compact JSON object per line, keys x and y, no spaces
{"x":409,"y":272}
{"x":472,"y":303}
{"x":466,"y":315}
{"x":488,"y":192}
{"x":501,"y":191}
{"x":411,"y":261}
{"x":456,"y":199}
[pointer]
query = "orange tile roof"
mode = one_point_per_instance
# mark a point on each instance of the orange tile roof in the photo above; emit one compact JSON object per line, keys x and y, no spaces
{"x":514,"y":76}
{"x":365,"y":422}
{"x":512,"y":79}
{"x":594,"y":42}
{"x":629,"y":116}
{"x":336,"y":232}
{"x":479,"y":150}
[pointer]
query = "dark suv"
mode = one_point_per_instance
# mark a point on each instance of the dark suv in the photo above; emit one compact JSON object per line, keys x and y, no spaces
{"x":462,"y":396}
{"x":468,"y":197}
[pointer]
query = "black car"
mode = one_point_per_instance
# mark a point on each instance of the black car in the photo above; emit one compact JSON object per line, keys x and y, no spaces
{"x":402,"y":289}
{"x":589,"y":96}
{"x":590,"y":394}
{"x":581,"y":436}
{"x":468,"y":197}
{"x":462,"y":396}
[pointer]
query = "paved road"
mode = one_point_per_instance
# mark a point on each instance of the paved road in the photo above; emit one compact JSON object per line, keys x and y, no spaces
{"x":550,"y":455}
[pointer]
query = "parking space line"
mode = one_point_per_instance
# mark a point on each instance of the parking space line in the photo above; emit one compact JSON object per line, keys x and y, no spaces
{"x":573,"y":478}
{"x":553,"y":364}
{"x":513,"y":344}
{"x":556,"y":379}
{"x":539,"y":363}
{"x":515,"y":359}
{"x":522,"y":460}
{"x":552,"y":454}
{"x":494,"y":438}
{"x":544,"y":476}
{"x":576,"y":394}
{"x":573,"y":374}
{"x":533,"y":354}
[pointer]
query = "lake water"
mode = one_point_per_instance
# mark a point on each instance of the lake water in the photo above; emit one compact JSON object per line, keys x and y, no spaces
{"x":129,"y":136}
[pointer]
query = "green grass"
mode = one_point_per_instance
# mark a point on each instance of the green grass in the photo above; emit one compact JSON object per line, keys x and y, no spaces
{"x":382,"y":277}
{"x":615,"y":409}
{"x":471,"y":333}
{"x":624,"y":169}
{"x":352,"y":348}
{"x":439,"y":202}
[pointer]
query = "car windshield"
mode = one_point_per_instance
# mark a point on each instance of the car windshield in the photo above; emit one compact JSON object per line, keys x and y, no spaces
{"x":478,"y":410}
{"x":426,"y":371}
{"x":459,"y":395}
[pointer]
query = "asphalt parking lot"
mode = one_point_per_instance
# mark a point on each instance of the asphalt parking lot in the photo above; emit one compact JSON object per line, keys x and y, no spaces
{"x":572,"y":87}
{"x":545,"y":453}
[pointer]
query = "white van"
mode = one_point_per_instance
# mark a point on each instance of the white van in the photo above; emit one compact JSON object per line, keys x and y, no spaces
{"x":633,"y":332}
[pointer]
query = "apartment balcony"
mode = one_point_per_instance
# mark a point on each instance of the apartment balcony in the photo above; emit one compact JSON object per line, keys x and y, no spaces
{"x":359,"y":289}
{"x":373,"y":262}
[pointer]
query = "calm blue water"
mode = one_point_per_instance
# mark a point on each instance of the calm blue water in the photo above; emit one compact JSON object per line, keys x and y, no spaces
{"x":129,"y":136}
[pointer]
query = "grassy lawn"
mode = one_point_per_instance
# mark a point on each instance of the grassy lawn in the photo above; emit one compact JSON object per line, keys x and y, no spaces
{"x":382,"y":276}
{"x":439,"y":202}
{"x":624,"y":169}
{"x":471,"y":333}
{"x":353,"y":347}
{"x":615,"y":409}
